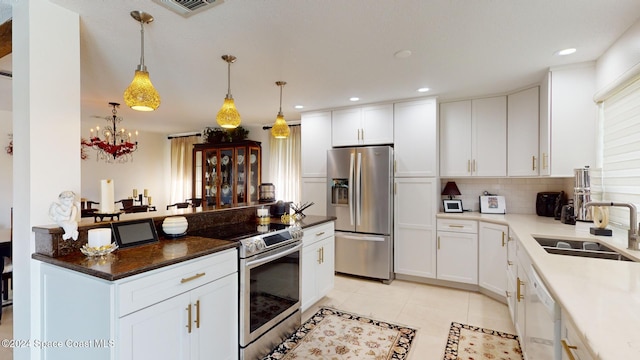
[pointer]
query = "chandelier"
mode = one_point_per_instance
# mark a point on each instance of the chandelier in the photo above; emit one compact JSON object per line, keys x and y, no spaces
{"x":114,"y":145}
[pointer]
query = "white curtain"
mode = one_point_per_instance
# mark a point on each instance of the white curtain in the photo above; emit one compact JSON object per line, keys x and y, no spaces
{"x":284,"y":165}
{"x":182,"y":167}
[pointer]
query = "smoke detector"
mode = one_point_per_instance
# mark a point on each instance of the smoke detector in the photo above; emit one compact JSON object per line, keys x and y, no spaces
{"x":187,"y":8}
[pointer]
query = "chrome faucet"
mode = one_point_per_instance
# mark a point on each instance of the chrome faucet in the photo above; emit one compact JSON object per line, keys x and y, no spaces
{"x":633,"y":220}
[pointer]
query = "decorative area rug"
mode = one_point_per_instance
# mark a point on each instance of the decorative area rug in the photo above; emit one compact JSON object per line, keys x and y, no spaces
{"x":470,"y":342}
{"x":333,"y":334}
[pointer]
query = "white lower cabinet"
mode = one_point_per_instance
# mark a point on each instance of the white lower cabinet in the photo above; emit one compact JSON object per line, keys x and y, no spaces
{"x":512,"y":274}
{"x":190,"y":323}
{"x":318,"y":263}
{"x":457,"y":245}
{"x":184,"y":311}
{"x":573,"y":348}
{"x":492,"y":257}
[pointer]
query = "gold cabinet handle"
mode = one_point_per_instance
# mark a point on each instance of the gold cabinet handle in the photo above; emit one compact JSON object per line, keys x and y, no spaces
{"x":456,"y":226}
{"x":320,"y":233}
{"x":468,"y":166}
{"x":544,"y":160}
{"x":189,"y":318}
{"x":503,"y":243}
{"x":198,"y":314}
{"x":319,"y":259}
{"x":322,"y":254}
{"x":438,"y":242}
{"x":473,"y":167}
{"x":533,"y":162}
{"x":198,"y":275}
{"x":568,"y":349}
{"x":509,"y":262}
{"x":519,"y":295}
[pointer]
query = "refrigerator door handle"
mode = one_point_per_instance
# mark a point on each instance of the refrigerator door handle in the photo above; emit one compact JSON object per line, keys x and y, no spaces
{"x":359,"y":189}
{"x":362,"y":237}
{"x":350,"y":189}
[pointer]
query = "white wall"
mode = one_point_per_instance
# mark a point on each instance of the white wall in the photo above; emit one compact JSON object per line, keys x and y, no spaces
{"x":6,"y":169}
{"x":621,"y":56}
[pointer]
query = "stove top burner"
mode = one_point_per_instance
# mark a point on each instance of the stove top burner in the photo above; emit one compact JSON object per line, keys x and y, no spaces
{"x":236,"y":232}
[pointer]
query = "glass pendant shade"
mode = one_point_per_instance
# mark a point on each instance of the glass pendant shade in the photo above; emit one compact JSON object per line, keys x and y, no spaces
{"x":228,"y":117}
{"x":141,"y":95}
{"x":280,"y":129}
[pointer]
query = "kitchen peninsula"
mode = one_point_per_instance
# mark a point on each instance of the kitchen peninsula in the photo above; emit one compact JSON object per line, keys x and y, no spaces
{"x":177,"y":298}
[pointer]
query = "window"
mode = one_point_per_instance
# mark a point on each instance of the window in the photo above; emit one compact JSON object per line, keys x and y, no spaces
{"x":285,"y":165}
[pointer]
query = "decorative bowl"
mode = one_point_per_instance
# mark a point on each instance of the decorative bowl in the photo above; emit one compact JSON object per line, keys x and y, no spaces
{"x":100,"y":251}
{"x":175,"y":226}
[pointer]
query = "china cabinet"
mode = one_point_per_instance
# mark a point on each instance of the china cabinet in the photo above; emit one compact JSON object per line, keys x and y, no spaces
{"x":226,"y":174}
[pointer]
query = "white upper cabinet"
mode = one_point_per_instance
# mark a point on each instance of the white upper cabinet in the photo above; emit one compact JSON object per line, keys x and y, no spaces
{"x":415,"y":138}
{"x":315,"y":141}
{"x":473,"y":137}
{"x":568,"y":120}
{"x":522,"y":125}
{"x":366,"y":125}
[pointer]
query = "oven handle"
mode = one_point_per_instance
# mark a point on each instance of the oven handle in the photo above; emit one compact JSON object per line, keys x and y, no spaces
{"x":292,"y":248}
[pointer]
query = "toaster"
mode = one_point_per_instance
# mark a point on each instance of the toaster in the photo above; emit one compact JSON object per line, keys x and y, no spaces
{"x":546,"y":203}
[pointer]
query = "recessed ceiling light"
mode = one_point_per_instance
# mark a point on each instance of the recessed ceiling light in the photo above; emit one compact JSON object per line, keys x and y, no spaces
{"x":568,"y":51}
{"x":402,"y":54}
{"x":299,"y":107}
{"x":354,"y":98}
{"x":425,"y":89}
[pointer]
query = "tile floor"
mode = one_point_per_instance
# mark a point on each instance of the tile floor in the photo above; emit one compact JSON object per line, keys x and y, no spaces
{"x":430,"y":309}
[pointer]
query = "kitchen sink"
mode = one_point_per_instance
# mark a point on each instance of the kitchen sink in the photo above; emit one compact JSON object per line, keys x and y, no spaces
{"x":581,"y":248}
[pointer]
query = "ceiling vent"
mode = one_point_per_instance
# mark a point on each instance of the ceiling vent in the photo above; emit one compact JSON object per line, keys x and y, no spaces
{"x":187,"y":8}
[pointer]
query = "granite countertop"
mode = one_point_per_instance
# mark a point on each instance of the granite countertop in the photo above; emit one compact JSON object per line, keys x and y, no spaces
{"x":601,"y":297}
{"x":135,"y":260}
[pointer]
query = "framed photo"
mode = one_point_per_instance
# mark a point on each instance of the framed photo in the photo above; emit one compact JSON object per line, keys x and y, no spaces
{"x":134,"y":232}
{"x":492,"y":204}
{"x":452,"y":206}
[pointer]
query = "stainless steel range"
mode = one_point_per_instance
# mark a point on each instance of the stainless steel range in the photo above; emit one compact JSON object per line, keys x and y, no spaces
{"x":270,"y":272}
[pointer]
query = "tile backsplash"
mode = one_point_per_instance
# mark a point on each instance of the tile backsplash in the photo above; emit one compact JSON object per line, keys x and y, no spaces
{"x":520,"y":193}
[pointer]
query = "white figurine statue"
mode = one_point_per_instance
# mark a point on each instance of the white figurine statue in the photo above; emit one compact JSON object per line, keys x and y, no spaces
{"x":65,"y":214}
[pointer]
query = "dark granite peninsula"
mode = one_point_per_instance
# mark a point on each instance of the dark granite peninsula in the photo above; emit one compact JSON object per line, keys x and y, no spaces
{"x":205,"y":235}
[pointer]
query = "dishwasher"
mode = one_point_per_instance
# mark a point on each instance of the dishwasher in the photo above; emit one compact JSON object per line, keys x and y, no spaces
{"x":542,"y":334}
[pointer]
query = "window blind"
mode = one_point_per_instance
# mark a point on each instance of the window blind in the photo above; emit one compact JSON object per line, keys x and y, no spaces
{"x":620,"y":132}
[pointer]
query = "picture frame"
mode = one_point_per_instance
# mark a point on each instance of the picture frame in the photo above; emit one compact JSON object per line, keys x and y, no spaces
{"x":134,"y":232}
{"x":492,"y":204}
{"x":452,"y":205}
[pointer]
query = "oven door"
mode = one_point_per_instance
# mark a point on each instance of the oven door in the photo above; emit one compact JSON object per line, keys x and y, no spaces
{"x":269,"y":290}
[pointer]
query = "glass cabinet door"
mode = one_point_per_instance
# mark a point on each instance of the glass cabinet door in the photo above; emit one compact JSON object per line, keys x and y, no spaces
{"x":254,"y":173}
{"x":211,"y":185}
{"x":241,"y":185}
{"x":226,"y":176}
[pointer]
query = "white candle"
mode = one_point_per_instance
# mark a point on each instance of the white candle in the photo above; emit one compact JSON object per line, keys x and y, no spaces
{"x":99,"y":237}
{"x":135,"y":193}
{"x":106,"y":196}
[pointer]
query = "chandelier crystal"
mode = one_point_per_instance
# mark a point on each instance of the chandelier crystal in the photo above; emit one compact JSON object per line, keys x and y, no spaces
{"x":112,"y":144}
{"x":280,"y":129}
{"x":141,"y":95}
{"x":228,"y":117}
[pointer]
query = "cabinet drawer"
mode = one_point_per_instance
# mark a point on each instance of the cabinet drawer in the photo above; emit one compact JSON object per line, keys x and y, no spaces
{"x":317,"y":233}
{"x":161,"y":284}
{"x":466,"y":226}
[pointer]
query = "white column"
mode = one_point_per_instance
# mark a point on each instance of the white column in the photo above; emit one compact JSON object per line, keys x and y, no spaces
{"x":46,"y":131}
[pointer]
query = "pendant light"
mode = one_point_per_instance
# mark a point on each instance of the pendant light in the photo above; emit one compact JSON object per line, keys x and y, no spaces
{"x":141,"y":95}
{"x":280,"y":129}
{"x":228,"y":116}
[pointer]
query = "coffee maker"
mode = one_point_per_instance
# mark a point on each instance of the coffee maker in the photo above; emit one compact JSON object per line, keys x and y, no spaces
{"x":582,"y":194}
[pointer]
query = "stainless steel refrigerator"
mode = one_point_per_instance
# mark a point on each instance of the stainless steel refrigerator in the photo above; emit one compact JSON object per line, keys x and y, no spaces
{"x":360,"y":196}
